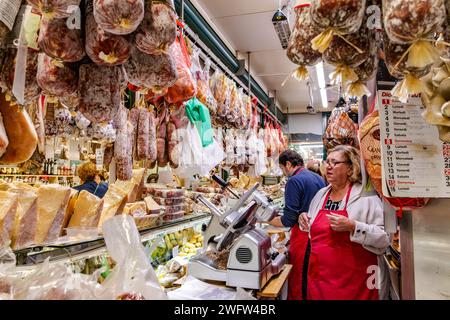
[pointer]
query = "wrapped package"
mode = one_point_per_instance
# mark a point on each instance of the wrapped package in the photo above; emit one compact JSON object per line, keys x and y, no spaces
{"x":56,"y":78}
{"x":204,"y":94}
{"x":299,"y":50}
{"x":341,"y":130}
{"x":105,"y":48}
{"x":8,"y":208}
{"x":235,"y":104}
{"x":230,"y":145}
{"x":176,"y":126}
{"x":32,"y":89}
{"x":335,"y":18}
{"x":158,"y":31}
{"x":119,"y":16}
{"x":365,"y":72}
{"x":88,"y":208}
{"x":55,"y":9}
{"x":62,"y":116}
{"x":143,"y":138}
{"x":99,"y":89}
{"x":104,"y":132}
{"x":151,"y":71}
{"x":185,"y":87}
{"x":221,"y":88}
{"x":81,"y":121}
{"x":415,"y":23}
{"x":60,"y":42}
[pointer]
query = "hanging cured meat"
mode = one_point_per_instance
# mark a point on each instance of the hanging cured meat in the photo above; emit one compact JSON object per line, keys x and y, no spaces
{"x":105,"y":48}
{"x":55,"y":77}
{"x":99,"y":89}
{"x":60,"y":42}
{"x":151,"y":71}
{"x":55,"y":8}
{"x":152,"y":145}
{"x":20,"y":131}
{"x":161,"y":134}
{"x":143,"y":135}
{"x":158,"y":31}
{"x":3,"y":137}
{"x":119,"y":16}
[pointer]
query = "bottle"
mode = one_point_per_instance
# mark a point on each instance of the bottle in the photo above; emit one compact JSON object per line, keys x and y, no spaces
{"x":55,"y":168}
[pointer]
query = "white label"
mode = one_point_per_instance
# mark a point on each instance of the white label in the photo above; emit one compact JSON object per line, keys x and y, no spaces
{"x":415,"y":162}
{"x":8,"y":12}
{"x":99,"y":153}
{"x":175,"y":251}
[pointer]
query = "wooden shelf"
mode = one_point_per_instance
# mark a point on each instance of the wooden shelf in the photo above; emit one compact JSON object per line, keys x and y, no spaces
{"x":32,"y":175}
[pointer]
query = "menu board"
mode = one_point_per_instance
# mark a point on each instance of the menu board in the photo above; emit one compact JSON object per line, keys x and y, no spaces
{"x":415,"y":163}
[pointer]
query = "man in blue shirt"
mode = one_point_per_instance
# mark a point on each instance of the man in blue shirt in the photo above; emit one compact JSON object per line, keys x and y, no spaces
{"x":301,"y":187}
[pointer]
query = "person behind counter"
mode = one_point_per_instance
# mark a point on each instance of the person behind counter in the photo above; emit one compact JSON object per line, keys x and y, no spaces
{"x":346,"y":233}
{"x":301,"y":187}
{"x":87,"y":173}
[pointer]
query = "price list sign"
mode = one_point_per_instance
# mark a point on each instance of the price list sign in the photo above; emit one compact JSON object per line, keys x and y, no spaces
{"x":415,"y":162}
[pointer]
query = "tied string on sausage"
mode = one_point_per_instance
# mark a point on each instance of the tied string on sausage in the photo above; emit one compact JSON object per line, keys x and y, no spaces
{"x":358,"y":89}
{"x":300,"y":74}
{"x":343,"y":75}
{"x":323,"y":40}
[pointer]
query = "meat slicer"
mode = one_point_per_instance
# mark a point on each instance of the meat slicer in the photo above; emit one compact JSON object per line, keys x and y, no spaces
{"x":250,"y":261}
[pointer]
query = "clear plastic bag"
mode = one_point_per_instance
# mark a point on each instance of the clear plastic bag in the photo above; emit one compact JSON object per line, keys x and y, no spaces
{"x":133,"y":273}
{"x":204,"y":93}
{"x":190,"y":150}
{"x":119,"y":16}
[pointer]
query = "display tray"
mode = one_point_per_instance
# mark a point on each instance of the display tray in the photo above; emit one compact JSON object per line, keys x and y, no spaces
{"x":76,"y":250}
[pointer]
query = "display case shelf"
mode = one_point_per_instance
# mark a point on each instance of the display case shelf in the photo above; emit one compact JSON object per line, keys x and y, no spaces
{"x":29,"y":258}
{"x":35,"y":175}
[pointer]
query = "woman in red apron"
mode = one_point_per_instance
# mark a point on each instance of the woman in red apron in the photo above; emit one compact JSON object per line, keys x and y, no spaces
{"x":339,"y":263}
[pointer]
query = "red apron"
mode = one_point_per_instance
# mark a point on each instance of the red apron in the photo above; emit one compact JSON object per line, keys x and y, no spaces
{"x":297,"y":249}
{"x":337,"y":266}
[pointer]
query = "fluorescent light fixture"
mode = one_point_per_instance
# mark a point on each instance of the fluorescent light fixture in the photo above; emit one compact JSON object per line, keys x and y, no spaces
{"x":322,"y":84}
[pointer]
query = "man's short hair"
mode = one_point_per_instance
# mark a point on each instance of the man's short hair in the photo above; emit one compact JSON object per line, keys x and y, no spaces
{"x":293,"y":157}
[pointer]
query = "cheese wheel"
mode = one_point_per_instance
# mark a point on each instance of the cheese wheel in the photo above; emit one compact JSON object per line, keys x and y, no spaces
{"x":21,"y":133}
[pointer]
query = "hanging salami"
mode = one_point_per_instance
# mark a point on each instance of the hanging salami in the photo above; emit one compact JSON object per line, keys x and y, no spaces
{"x":105,"y":48}
{"x":161,"y":135}
{"x":51,"y":9}
{"x":299,"y":50}
{"x":60,"y":42}
{"x":122,"y":153}
{"x":152,"y":145}
{"x":55,"y":78}
{"x":143,"y":135}
{"x":99,"y":89}
{"x":151,"y":71}
{"x":158,"y":31}
{"x":335,"y":18}
{"x":119,"y":16}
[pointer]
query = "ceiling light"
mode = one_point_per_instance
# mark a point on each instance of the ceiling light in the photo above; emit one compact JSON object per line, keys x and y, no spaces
{"x":322,"y":84}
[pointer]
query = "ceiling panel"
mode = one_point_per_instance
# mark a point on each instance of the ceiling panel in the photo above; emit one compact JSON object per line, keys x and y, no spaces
{"x":271,"y":62}
{"x":225,"y":8}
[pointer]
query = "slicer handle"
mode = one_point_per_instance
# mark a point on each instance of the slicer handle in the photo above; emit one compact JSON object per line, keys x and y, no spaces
{"x":220,"y":181}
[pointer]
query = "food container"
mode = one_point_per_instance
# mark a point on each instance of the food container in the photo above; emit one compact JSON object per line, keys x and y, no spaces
{"x":167,"y":193}
{"x":173,"y":216}
{"x":148,"y":221}
{"x":168,"y":201}
{"x":174,"y":208}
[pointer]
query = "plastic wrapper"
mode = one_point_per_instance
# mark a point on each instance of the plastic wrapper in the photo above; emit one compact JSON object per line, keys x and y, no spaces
{"x":32,"y":89}
{"x":105,"y":48}
{"x":230,"y":145}
{"x":99,"y":89}
{"x":341,"y":130}
{"x":104,"y":132}
{"x":173,"y":216}
{"x":299,"y":50}
{"x":60,"y":42}
{"x":55,"y":78}
{"x":365,"y":72}
{"x":173,"y":209}
{"x":178,"y":122}
{"x":185,"y":87}
{"x":143,"y":135}
{"x":235,"y":107}
{"x":51,"y":9}
{"x":221,"y":89}
{"x":335,"y":18}
{"x":158,"y":31}
{"x":119,"y":16}
{"x":151,"y":71}
{"x":415,"y":23}
{"x":167,"y":193}
{"x":81,"y":121}
{"x":204,"y":94}
{"x":133,"y":273}
{"x":62,"y":116}
{"x":168,"y":201}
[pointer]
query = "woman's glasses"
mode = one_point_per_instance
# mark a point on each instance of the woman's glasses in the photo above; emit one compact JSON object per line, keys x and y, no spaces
{"x":332,"y":163}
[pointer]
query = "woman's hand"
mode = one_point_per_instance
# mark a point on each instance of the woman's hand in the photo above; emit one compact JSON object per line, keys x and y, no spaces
{"x":303,"y":221}
{"x":340,"y":223}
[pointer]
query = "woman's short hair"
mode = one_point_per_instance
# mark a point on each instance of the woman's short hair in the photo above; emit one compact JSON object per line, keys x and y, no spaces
{"x":87,"y":171}
{"x":354,"y":159}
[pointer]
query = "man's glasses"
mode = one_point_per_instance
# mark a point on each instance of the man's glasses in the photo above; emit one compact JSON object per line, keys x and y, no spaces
{"x":332,"y":163}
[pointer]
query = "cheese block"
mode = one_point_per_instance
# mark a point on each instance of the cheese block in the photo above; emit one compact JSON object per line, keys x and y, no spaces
{"x":8,"y":209}
{"x":4,"y":186}
{"x":21,"y":133}
{"x":135,"y":186}
{"x":88,"y":209}
{"x":26,"y":219}
{"x":114,"y":203}
{"x":152,"y":206}
{"x":52,"y":204}
{"x":135,"y":209}
{"x":128,"y":187}
{"x":70,"y":208}
{"x":23,"y":186}
{"x":3,"y":137}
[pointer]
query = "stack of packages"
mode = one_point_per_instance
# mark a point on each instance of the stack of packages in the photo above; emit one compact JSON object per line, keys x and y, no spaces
{"x":171,"y":202}
{"x":214,"y":195}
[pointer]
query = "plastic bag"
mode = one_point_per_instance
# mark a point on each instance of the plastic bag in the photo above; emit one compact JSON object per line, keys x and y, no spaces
{"x":56,"y":78}
{"x":158,"y":31}
{"x":230,"y":145}
{"x":212,"y":156}
{"x":221,"y":89}
{"x":341,"y":130}
{"x":50,"y":9}
{"x":119,"y":16}
{"x":60,"y":42}
{"x":133,"y":273}
{"x":105,"y":48}
{"x":7,"y":266}
{"x":260,"y":165}
{"x":185,"y":87}
{"x":190,"y":152}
